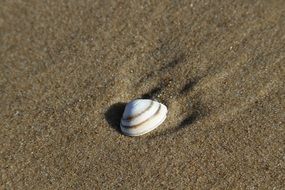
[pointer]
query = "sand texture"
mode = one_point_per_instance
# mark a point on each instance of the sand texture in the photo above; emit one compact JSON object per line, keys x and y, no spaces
{"x":68,"y":67}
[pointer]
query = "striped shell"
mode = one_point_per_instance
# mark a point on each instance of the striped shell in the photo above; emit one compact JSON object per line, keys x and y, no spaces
{"x":142,"y":116}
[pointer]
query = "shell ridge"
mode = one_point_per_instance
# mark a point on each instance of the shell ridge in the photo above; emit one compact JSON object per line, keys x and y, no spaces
{"x":144,"y":115}
{"x":137,"y":125}
{"x":147,"y":130}
{"x":148,"y":115}
{"x":134,"y":116}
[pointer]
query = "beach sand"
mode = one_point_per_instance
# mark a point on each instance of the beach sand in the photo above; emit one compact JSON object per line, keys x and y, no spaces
{"x":67,"y":68}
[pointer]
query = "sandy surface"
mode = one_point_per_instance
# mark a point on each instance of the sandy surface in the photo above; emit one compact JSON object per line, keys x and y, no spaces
{"x":69,"y":67}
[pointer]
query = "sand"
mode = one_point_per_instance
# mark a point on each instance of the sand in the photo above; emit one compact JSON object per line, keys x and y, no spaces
{"x":69,"y":67}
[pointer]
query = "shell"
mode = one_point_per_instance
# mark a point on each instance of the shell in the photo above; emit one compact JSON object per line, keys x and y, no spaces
{"x":142,"y":116}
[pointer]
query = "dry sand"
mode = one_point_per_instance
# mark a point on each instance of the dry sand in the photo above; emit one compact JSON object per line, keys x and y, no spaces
{"x":69,"y":67}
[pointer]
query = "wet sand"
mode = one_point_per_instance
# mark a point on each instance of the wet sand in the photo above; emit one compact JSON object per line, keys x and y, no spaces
{"x":69,"y":67}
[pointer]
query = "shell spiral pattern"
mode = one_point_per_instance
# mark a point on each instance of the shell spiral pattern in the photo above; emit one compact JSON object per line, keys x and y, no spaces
{"x":142,"y":116}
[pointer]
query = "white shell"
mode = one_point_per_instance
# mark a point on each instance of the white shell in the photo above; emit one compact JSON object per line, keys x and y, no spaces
{"x":142,"y":116}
